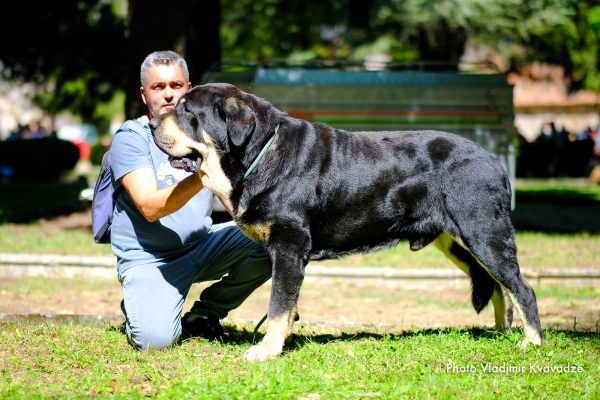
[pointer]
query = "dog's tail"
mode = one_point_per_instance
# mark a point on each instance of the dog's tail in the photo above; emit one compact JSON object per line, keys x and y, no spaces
{"x":482,"y":283}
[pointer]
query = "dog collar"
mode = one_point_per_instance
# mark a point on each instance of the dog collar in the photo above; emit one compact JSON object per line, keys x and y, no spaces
{"x":261,"y":154}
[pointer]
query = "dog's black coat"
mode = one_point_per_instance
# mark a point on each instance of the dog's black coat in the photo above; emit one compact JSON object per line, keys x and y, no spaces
{"x":325,"y":192}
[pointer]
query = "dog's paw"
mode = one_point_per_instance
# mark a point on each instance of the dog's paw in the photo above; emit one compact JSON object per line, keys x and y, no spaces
{"x":536,"y":341}
{"x":260,"y":353}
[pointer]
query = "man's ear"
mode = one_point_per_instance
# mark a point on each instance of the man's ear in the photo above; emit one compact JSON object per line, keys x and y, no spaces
{"x":239,"y":118}
{"x":143,"y":94}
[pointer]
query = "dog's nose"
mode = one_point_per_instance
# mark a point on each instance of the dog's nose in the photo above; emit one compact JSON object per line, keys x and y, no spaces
{"x":153,"y":124}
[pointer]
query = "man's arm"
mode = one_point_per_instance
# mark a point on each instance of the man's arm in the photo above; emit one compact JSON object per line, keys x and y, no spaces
{"x":228,"y":206}
{"x":154,"y":203}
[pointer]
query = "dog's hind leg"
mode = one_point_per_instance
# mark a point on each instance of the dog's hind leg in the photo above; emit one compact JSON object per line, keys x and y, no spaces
{"x":483,"y":284}
{"x":492,"y":243}
{"x":503,"y":310}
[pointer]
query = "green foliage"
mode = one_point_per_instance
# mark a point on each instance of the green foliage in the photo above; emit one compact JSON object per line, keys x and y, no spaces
{"x":97,"y":152}
{"x":266,"y":29}
{"x":76,"y":52}
{"x":39,"y":160}
{"x":559,"y":32}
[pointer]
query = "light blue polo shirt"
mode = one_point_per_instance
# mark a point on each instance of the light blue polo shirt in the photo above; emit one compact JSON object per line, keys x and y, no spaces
{"x":135,"y":240}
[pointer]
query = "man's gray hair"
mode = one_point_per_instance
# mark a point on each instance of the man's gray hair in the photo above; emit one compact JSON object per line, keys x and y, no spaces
{"x":162,"y":58}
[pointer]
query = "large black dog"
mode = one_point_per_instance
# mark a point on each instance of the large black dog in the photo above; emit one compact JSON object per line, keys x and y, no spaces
{"x":320,"y":193}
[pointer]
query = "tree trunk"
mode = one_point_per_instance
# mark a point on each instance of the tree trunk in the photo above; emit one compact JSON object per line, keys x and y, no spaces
{"x":188,"y":27}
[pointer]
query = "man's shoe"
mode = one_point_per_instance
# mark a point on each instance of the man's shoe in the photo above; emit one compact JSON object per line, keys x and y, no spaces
{"x":208,"y":328}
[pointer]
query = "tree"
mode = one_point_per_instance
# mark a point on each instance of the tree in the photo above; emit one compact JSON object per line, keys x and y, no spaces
{"x":76,"y":52}
{"x":82,"y":52}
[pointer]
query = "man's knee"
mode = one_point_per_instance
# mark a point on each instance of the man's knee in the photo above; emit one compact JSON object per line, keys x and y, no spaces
{"x":153,"y":336}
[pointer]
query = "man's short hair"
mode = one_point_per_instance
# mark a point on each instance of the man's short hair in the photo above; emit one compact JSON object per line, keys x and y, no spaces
{"x":162,"y":58}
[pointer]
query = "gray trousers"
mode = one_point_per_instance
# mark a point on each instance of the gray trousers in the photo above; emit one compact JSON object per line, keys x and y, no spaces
{"x":154,"y":294}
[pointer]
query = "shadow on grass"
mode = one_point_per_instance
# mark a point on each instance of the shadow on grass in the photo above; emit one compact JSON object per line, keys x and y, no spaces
{"x":244,"y":336}
{"x":27,"y":202}
{"x":557,"y":210}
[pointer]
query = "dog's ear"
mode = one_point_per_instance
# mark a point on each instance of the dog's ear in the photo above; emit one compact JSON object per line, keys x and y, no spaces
{"x":239,"y":117}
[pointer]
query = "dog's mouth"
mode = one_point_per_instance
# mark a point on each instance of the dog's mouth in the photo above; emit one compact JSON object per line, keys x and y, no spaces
{"x":190,"y":162}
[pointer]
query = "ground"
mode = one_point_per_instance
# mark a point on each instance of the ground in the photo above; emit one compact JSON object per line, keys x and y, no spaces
{"x":400,"y":304}
{"x":324,"y":300}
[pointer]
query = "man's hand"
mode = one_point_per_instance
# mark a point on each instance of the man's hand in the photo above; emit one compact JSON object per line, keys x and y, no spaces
{"x":154,"y":203}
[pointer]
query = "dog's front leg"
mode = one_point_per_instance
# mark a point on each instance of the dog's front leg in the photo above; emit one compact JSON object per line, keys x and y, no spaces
{"x":288,"y":262}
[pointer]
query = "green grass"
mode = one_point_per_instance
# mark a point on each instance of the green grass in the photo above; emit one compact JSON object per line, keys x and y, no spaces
{"x":567,"y":296}
{"x":76,"y":361}
{"x":536,"y":250}
{"x":559,"y":187}
{"x":544,"y":207}
{"x":36,"y":238}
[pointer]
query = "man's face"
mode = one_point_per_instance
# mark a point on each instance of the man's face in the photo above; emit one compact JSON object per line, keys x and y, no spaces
{"x":166,"y":84}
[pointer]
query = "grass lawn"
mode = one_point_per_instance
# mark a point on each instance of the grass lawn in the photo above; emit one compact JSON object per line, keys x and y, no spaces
{"x":545,"y":208}
{"x":568,"y":251}
{"x":77,"y":361}
{"x":82,"y":361}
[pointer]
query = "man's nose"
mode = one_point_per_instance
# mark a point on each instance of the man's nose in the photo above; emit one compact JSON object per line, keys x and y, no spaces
{"x":168,"y":93}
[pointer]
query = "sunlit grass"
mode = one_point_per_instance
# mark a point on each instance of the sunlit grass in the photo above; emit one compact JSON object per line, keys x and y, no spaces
{"x":77,"y":360}
{"x":35,"y":238}
{"x":535,"y":250}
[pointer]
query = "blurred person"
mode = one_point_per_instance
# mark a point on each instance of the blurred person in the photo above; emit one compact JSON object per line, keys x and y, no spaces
{"x":596,"y":138}
{"x":162,"y":233}
{"x":546,"y":150}
{"x":37,"y":131}
{"x":17,"y":133}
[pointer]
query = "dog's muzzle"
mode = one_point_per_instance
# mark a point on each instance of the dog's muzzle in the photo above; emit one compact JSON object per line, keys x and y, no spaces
{"x":190,"y":162}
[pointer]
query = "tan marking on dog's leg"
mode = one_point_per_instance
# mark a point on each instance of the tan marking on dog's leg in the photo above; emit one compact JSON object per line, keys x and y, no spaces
{"x":502,"y":303}
{"x":259,"y":232}
{"x":443,"y":244}
{"x":531,"y":334}
{"x":278,"y":331}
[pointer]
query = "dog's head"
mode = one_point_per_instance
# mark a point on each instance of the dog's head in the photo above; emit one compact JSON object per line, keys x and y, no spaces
{"x":211,"y":124}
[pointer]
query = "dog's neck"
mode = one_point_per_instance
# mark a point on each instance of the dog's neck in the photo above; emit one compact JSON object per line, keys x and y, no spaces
{"x":261,"y":154}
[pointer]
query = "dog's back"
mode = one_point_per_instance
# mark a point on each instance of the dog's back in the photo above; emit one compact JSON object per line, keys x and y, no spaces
{"x":376,"y":188}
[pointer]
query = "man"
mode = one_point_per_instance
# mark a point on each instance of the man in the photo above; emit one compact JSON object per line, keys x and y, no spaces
{"x":162,"y":233}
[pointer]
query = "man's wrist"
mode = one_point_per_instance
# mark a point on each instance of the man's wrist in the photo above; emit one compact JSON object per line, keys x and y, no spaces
{"x":196,"y":179}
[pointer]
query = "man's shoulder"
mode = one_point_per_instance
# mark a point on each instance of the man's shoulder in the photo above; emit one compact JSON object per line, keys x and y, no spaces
{"x":139,"y":125}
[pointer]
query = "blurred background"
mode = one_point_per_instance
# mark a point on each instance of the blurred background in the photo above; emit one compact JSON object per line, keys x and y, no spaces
{"x":521,"y":78}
